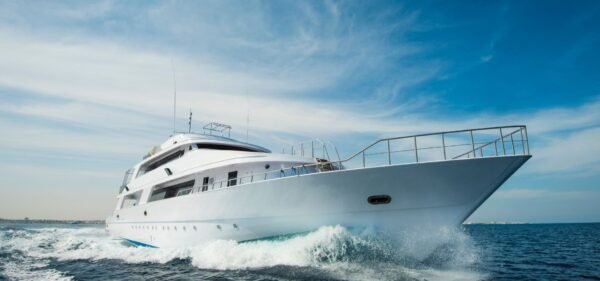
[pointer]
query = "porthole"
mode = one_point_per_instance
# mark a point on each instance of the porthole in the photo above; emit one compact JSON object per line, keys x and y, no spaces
{"x":175,"y":228}
{"x":218,"y":227}
{"x":379,"y":199}
{"x":267,"y":166}
{"x":195,"y":228}
{"x":145,"y":213}
{"x":184,"y":228}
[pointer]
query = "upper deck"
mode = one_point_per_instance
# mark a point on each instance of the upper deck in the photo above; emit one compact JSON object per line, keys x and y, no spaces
{"x":180,"y":139}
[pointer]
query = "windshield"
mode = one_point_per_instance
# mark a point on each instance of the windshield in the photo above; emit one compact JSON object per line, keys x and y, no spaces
{"x":126,"y":179}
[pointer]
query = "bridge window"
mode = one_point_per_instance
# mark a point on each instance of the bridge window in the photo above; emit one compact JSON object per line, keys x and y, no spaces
{"x":215,"y":146}
{"x":159,"y":162}
{"x":166,"y":192}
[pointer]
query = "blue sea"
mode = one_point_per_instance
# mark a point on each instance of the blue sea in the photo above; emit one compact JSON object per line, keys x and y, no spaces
{"x":472,"y":252}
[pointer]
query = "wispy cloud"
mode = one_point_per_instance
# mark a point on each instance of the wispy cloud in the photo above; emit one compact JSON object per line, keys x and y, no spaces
{"x":527,"y":193}
{"x":93,"y":80}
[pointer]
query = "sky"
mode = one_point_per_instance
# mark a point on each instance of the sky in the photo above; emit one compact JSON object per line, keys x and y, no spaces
{"x":86,"y":89}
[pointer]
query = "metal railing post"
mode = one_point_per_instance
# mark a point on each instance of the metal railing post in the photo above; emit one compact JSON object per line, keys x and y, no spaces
{"x":312,"y":148}
{"x":527,"y":141}
{"x":363,"y":159}
{"x":416,"y":150}
{"x":302,"y":149}
{"x":512,"y":143}
{"x":502,"y":142}
{"x":389,"y":153}
{"x":522,"y":141}
{"x":473,"y":145}
{"x":444,"y":145}
{"x":496,"y":146}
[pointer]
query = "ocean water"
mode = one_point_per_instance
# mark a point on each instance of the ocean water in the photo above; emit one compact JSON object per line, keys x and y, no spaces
{"x":471,"y":252}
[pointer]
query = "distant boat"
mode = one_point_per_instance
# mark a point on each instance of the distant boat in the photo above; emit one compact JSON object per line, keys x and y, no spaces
{"x":198,"y":187}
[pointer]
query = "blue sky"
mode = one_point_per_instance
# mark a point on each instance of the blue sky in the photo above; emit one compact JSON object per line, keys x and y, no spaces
{"x":86,"y":88}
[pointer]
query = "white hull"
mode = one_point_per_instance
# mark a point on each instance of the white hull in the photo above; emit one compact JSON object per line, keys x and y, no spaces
{"x":423,"y":194}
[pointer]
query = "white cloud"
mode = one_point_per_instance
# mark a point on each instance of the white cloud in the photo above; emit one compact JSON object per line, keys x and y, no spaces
{"x":520,"y":193}
{"x":117,"y":93}
{"x":527,"y":193}
{"x":575,"y":152}
{"x":118,"y":89}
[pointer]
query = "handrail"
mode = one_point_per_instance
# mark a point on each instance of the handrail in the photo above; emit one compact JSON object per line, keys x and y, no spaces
{"x":315,"y":148}
{"x":431,"y":134}
{"x":488,"y":143}
{"x":326,"y":166}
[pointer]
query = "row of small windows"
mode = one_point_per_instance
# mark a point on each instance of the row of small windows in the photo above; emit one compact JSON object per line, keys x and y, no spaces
{"x":174,"y":227}
{"x":186,"y":188}
{"x":166,"y":228}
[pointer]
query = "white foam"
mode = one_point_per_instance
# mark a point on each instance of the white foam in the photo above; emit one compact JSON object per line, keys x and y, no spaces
{"x":345,"y":254}
{"x":31,"y":269}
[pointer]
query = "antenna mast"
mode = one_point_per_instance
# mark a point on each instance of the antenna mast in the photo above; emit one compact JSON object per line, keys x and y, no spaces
{"x":247,"y":123}
{"x":190,"y":122}
{"x":247,"y":114}
{"x":174,"y":95}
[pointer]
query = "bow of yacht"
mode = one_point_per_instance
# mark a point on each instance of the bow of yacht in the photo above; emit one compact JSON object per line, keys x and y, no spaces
{"x":199,"y":187}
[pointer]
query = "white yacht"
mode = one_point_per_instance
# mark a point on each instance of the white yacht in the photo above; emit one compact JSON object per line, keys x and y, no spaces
{"x":198,"y":187}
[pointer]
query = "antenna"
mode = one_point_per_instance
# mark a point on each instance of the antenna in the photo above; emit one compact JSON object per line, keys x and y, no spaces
{"x":190,"y":122}
{"x":174,"y":95}
{"x":247,"y":115}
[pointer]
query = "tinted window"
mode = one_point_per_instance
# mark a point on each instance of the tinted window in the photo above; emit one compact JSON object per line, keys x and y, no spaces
{"x":232,"y":178}
{"x":163,"y":161}
{"x":223,"y":147}
{"x":171,"y":191}
{"x":205,"y":184}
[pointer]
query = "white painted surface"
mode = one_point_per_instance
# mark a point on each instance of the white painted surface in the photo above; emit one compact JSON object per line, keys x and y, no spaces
{"x":423,"y":194}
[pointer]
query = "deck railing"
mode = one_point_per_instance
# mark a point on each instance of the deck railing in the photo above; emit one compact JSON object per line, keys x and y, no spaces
{"x":481,"y":142}
{"x":441,"y":146}
{"x":314,"y":149}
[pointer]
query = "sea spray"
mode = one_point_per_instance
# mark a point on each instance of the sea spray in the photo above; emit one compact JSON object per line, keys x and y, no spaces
{"x":330,"y":252}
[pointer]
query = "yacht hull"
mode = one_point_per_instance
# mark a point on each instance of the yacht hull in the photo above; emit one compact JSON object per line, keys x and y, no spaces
{"x":431,"y":194}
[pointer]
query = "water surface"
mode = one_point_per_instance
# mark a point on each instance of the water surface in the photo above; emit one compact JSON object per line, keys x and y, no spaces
{"x":473,"y":252}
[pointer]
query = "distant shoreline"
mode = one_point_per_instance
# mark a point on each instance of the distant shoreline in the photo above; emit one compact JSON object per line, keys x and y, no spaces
{"x":525,"y":223}
{"x":52,"y":221}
